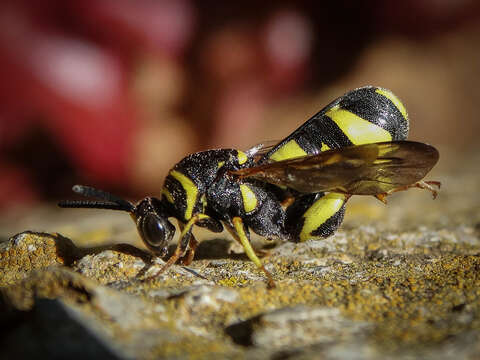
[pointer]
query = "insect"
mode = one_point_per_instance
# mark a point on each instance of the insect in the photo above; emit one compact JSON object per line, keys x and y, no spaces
{"x":295,"y":190}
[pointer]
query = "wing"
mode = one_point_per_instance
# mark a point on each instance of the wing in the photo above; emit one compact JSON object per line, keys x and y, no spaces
{"x":259,"y":150}
{"x":368,"y":169}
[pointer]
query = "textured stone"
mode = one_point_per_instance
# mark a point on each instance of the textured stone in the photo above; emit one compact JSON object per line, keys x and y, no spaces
{"x":302,"y":326}
{"x":396,"y":282}
{"x":29,"y":251}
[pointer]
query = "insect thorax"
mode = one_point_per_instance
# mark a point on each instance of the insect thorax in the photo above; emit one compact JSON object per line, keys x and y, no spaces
{"x":185,"y":187}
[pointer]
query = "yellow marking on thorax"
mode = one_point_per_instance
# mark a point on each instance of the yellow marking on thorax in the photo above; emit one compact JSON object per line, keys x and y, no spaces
{"x":220,"y":164}
{"x":389,"y":95}
{"x":250,"y":201}
{"x":290,"y":150}
{"x":191,"y":191}
{"x":324,"y":147}
{"x":242,"y":157}
{"x":358,"y":130}
{"x":168,"y":195}
{"x":319,"y":212}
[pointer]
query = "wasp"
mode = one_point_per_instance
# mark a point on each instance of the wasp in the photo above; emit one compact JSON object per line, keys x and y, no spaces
{"x":295,"y":190}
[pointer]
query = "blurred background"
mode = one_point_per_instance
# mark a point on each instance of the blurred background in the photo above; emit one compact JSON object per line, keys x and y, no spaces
{"x":113,"y":93}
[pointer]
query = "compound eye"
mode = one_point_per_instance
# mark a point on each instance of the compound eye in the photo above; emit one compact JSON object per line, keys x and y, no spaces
{"x":156,"y":232}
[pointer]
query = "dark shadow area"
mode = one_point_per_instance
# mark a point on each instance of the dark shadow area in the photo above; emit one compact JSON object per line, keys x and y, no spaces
{"x":48,"y":331}
{"x":241,"y":332}
{"x":285,"y":354}
{"x":220,"y":249}
{"x":213,"y":249}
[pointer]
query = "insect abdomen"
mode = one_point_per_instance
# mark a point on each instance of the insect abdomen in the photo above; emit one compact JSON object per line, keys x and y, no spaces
{"x":315,"y":216}
{"x":364,"y":115}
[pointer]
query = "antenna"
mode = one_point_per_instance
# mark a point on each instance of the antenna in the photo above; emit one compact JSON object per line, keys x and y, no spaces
{"x":110,"y":201}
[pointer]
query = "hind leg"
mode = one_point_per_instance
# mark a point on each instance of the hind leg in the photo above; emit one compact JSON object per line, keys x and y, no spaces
{"x":432,"y":186}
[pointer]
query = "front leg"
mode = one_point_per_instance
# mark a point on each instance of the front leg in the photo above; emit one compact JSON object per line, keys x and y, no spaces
{"x":183,"y":243}
{"x":188,"y":257}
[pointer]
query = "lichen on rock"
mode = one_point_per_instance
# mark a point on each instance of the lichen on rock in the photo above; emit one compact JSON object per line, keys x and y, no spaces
{"x":397,"y":282}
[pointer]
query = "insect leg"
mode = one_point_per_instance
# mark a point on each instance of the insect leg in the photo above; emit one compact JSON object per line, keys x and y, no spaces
{"x":241,"y":234}
{"x":188,"y":258}
{"x":431,"y":186}
{"x":192,"y":245}
{"x":185,"y":239}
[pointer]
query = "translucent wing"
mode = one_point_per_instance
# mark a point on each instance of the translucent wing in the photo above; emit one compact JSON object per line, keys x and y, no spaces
{"x":368,"y":169}
{"x":259,"y":150}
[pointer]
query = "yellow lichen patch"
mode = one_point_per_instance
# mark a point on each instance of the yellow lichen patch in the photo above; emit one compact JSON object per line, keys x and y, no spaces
{"x":232,"y":282}
{"x":30,"y":251}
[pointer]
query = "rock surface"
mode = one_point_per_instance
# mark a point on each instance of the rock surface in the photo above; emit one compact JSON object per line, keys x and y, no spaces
{"x":397,"y":282}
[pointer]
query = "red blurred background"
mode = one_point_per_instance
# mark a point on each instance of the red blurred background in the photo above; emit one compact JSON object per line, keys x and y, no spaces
{"x":113,"y":93}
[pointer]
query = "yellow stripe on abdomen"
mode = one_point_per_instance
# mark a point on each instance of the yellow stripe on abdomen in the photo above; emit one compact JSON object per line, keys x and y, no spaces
{"x":358,"y":130}
{"x":320,"y":211}
{"x":288,"y":151}
{"x":191,"y":191}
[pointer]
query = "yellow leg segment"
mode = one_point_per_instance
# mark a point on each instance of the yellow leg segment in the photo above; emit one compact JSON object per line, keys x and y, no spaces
{"x":242,"y":237}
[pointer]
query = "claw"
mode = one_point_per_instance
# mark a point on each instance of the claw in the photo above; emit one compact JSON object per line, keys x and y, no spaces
{"x":425,"y":185}
{"x":382,"y":197}
{"x":270,"y":281}
{"x":429,"y":185}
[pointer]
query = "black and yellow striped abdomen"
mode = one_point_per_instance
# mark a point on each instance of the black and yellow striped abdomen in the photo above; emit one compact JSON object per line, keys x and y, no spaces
{"x":364,"y":115}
